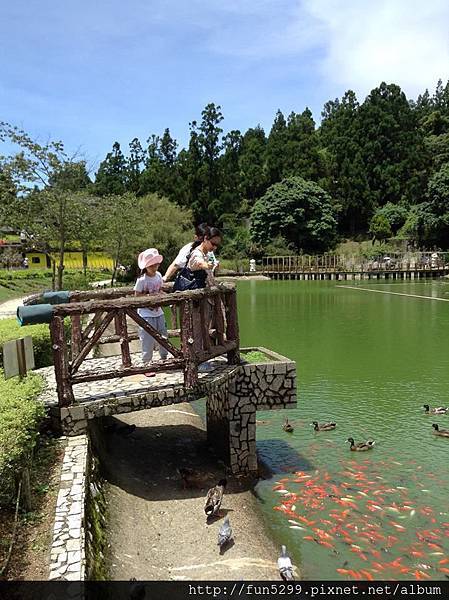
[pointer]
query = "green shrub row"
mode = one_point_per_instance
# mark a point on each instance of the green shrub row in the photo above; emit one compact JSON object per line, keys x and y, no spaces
{"x":11,"y":330}
{"x":20,"y":415}
{"x":25,"y":274}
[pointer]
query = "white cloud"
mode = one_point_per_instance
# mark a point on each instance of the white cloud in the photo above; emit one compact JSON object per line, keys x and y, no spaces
{"x":400,"y":41}
{"x":351,"y":43}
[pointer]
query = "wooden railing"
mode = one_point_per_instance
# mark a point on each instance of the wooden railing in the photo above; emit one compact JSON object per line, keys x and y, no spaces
{"x":205,"y":322}
{"x":340,"y":263}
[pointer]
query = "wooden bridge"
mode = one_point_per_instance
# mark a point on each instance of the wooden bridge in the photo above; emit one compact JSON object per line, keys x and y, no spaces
{"x":341,"y":267}
{"x":205,"y":362}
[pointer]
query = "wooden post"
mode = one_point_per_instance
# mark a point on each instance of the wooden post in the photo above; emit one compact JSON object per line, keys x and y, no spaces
{"x":187,"y":345}
{"x":174,"y":316}
{"x":204,"y":323}
{"x":26,"y":490}
{"x":218,"y":320}
{"x":21,"y":359}
{"x":232,"y":329}
{"x":75,"y":345}
{"x":122,"y":330}
{"x":63,"y":384}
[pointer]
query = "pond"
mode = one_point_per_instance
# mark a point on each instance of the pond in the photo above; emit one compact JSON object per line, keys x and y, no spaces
{"x":368,"y":361}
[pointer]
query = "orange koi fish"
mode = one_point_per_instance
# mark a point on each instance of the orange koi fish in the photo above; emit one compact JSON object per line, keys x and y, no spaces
{"x":367,"y":575}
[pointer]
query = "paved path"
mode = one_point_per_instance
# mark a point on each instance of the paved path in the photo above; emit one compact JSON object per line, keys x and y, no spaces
{"x":8,"y":309}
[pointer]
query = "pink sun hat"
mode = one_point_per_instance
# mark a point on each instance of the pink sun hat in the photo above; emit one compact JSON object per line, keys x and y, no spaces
{"x":149,"y":257}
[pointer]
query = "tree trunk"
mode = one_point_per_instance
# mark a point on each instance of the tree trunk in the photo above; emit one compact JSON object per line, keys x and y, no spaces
{"x":116,"y":262}
{"x":61,"y":245}
{"x":84,"y":250}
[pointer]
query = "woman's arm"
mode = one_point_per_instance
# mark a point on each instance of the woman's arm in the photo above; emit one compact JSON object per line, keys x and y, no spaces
{"x":171,"y":271}
{"x":196,"y":264}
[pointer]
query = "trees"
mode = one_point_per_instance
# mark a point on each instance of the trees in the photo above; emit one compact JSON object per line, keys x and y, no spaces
{"x":112,"y":175}
{"x":275,"y":149}
{"x":348,"y":179}
{"x":135,"y":223}
{"x":301,"y":152}
{"x":299,"y":211}
{"x":380,"y":228}
{"x":253,"y":176}
{"x":42,"y":204}
{"x":391,"y":147}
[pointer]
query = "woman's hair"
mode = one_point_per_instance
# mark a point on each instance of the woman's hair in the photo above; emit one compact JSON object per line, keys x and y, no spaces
{"x":212,"y":232}
{"x":207,"y":233}
{"x":200,"y":230}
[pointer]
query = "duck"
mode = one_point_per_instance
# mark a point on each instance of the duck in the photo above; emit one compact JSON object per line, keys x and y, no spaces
{"x":191,"y":478}
{"x":360,"y":446}
{"x":214,"y":498}
{"x":441,"y":432}
{"x":287,"y":427}
{"x":438,"y":410}
{"x":323,"y":426}
{"x":285,"y":565}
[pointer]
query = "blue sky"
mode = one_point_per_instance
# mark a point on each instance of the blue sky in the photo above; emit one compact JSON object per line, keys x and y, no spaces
{"x":90,"y":73}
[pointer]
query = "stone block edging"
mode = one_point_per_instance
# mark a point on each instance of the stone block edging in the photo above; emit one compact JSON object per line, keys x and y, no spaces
{"x":67,"y":553}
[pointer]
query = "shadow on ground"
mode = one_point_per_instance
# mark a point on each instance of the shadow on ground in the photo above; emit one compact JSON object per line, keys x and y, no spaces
{"x":145,"y":462}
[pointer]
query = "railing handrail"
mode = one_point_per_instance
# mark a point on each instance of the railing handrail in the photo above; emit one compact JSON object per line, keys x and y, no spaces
{"x":148,"y":301}
{"x":204,"y":334}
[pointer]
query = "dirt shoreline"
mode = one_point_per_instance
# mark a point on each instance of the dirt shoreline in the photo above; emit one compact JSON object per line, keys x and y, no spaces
{"x":157,"y":529}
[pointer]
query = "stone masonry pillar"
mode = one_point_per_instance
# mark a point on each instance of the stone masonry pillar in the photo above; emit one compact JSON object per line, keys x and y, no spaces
{"x":231,"y":409}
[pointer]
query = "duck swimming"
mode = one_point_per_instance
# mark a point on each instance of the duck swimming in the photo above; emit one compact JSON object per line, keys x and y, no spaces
{"x":441,"y":432}
{"x":360,"y":446}
{"x":438,"y":410}
{"x":214,"y":498}
{"x":323,"y":426}
{"x":287,"y":427}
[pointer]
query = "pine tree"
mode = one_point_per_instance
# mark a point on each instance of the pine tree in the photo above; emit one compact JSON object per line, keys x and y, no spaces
{"x":112,"y":175}
{"x":301,"y":154}
{"x":254,"y":180}
{"x":339,"y":134}
{"x":275,"y":150}
{"x":392,"y":147}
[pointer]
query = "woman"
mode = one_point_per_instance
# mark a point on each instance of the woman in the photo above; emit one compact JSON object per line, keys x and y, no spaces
{"x":202,"y":256}
{"x":181,"y":260}
{"x":203,"y":266}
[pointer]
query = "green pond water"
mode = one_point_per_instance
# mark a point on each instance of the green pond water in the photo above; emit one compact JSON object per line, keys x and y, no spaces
{"x":368,"y":361}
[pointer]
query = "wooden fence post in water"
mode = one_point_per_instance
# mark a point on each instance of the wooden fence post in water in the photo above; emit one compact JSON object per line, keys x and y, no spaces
{"x":63,"y":385}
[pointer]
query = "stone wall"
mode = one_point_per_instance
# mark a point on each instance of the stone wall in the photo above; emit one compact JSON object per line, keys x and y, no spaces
{"x":231,"y":411}
{"x":234,"y":393}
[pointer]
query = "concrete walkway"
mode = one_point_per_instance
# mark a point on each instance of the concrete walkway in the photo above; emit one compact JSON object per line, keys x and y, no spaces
{"x":8,"y":309}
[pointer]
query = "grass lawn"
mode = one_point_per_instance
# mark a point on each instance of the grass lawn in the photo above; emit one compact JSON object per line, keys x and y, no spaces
{"x":14,"y":284}
{"x":16,"y":288}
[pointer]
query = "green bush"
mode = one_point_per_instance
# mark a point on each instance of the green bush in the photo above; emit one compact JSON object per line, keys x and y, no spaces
{"x":20,"y":415}
{"x":25,"y":274}
{"x":11,"y":330}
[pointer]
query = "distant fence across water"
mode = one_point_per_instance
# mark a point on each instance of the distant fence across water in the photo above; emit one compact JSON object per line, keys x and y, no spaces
{"x":334,"y":263}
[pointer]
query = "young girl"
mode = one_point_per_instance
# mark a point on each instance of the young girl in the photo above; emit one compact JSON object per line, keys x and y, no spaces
{"x":150,"y":282}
